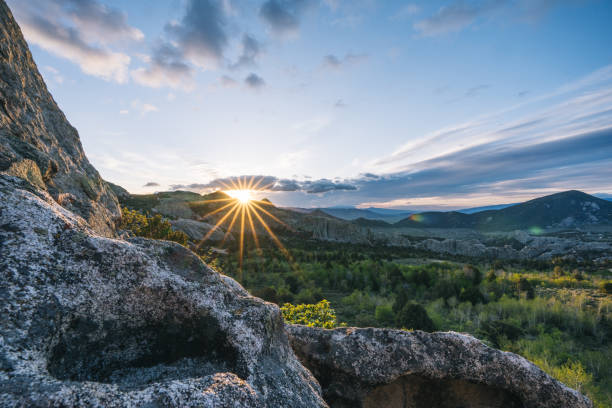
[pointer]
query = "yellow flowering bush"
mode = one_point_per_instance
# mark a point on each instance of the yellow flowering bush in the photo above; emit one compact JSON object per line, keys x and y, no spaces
{"x":312,"y":315}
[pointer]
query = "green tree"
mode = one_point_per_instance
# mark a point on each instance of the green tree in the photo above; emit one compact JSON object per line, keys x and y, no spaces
{"x":414,"y":316}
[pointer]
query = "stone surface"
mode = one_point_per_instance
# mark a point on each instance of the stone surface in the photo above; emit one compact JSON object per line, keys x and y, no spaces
{"x":395,"y":368}
{"x":94,"y":321}
{"x":197,"y":230}
{"x":36,"y":140}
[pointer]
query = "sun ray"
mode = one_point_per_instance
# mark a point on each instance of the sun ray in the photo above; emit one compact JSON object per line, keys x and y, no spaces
{"x":271,"y":215}
{"x":273,"y":235}
{"x":219,"y":209}
{"x":214,"y":228}
{"x":231,"y":226}
{"x":253,"y":232}
{"x":241,"y":238}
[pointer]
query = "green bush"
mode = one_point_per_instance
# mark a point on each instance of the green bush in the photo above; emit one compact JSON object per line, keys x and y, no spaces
{"x":317,"y":315}
{"x":155,"y":227}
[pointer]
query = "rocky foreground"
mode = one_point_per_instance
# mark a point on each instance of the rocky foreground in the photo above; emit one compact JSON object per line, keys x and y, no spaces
{"x":90,"y":320}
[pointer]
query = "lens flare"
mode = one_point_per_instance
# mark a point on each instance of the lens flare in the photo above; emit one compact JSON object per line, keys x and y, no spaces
{"x":244,"y":209}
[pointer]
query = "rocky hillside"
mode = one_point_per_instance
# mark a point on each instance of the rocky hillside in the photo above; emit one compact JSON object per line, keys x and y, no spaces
{"x":569,"y":209}
{"x":38,"y":143}
{"x":94,"y":321}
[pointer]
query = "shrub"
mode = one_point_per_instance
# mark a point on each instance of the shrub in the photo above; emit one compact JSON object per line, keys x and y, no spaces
{"x":414,"y":316}
{"x":606,"y":287}
{"x":312,"y":315}
{"x":155,"y":227}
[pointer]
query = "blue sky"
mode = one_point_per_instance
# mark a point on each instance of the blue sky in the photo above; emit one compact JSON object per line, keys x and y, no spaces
{"x":431,"y":104}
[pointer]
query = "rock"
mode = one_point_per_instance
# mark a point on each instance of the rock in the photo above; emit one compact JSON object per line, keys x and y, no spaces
{"x":36,"y":141}
{"x":395,"y":368}
{"x":94,"y":321}
{"x":197,"y":230}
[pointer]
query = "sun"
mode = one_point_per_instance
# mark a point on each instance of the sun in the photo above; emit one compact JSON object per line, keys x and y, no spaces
{"x":242,"y":210}
{"x":244,"y":196}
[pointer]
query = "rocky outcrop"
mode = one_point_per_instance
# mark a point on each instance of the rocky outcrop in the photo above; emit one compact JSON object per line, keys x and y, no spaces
{"x":94,"y":321}
{"x":197,"y":230}
{"x":395,"y":368}
{"x":38,"y":143}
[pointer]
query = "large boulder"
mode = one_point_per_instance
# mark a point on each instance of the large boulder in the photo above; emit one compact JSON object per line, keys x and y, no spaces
{"x":38,"y":143}
{"x":394,"y":368}
{"x":93,"y":321}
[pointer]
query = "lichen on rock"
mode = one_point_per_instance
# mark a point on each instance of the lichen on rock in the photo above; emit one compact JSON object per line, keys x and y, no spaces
{"x":397,"y":368}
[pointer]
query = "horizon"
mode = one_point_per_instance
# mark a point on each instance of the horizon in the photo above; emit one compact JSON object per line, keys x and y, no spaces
{"x":336,"y":103}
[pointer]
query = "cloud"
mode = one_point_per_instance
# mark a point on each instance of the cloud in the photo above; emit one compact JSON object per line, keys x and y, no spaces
{"x":228,"y":81}
{"x":282,"y":16}
{"x":462,"y":14}
{"x":406,"y":12}
{"x":124,"y":112}
{"x":143,"y":108}
{"x":254,"y":81}
{"x":269,"y":183}
{"x":151,"y":184}
{"x":250,"y":51}
{"x":333,"y":62}
{"x":340,"y":104}
{"x":475,"y":90}
{"x":167,"y":67}
{"x":80,"y":31}
{"x":199,"y":38}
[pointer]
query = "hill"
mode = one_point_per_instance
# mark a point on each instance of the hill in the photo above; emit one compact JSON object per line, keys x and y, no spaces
{"x":569,"y":209}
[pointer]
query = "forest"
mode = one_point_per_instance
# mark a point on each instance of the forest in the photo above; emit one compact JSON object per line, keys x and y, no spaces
{"x":557,"y":314}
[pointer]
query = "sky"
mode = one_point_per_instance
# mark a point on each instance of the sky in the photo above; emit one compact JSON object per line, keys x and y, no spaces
{"x":396,"y":104}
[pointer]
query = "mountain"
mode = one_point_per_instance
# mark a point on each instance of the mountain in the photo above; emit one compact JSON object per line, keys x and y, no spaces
{"x":473,"y":210}
{"x":568,"y":209}
{"x":38,"y":143}
{"x":352,"y":213}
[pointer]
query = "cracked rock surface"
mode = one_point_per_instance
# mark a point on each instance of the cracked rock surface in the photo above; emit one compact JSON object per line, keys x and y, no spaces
{"x":93,"y":321}
{"x":394,"y":368}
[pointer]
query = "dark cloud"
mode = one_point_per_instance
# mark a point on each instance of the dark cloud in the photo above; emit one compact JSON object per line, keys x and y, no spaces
{"x":283,"y":16}
{"x":250,"y":51}
{"x":199,"y":38}
{"x":167,"y":67}
{"x":481,"y":168}
{"x":335,"y":62}
{"x":151,"y":184}
{"x":270,"y":183}
{"x":254,"y":81}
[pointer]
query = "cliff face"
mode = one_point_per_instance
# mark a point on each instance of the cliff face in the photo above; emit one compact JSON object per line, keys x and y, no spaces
{"x":38,"y":143}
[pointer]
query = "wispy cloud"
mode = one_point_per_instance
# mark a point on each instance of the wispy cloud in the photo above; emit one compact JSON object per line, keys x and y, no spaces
{"x":462,"y":14}
{"x":81,"y":31}
{"x":334,"y":62}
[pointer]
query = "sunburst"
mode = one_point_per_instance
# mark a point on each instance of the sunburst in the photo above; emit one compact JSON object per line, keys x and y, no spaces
{"x":242,"y":210}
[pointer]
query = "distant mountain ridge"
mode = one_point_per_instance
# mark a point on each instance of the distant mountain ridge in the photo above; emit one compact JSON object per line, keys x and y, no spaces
{"x":568,"y":209}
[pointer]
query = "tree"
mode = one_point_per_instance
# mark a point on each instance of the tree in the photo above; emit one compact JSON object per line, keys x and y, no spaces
{"x":414,"y":316}
{"x":312,"y":315}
